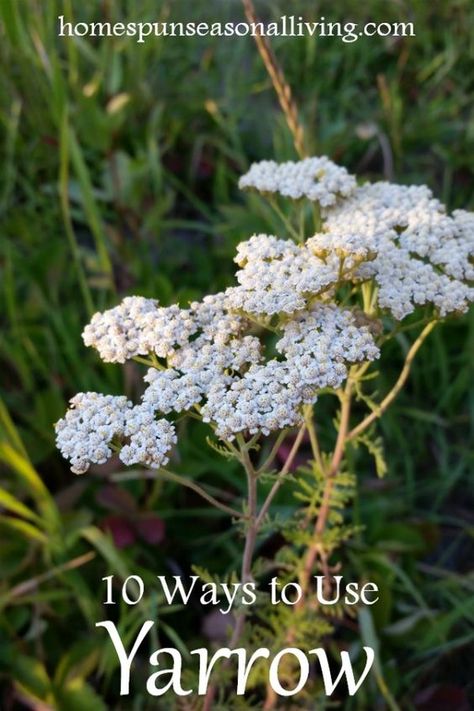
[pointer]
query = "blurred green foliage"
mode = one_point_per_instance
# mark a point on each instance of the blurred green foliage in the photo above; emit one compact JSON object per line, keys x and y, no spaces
{"x":119,"y":171}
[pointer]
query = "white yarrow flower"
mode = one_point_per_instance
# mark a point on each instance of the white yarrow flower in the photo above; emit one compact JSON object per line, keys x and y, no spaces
{"x":419,"y":255}
{"x":216,"y":357}
{"x":318,"y":179}
{"x":138,"y":326}
{"x":150,"y":439}
{"x":277,"y":276}
{"x":84,"y":434}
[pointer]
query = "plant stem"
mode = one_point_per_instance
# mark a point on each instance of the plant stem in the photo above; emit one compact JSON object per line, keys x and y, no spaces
{"x":344,"y":436}
{"x":279,"y":480}
{"x":312,"y":552}
{"x":317,"y":217}
{"x":293,"y":233}
{"x":66,"y":214}
{"x":402,"y":378}
{"x":250,"y":541}
{"x":252,"y":530}
{"x":273,"y":452}
{"x":326,"y":500}
{"x":28,"y":586}
{"x":313,"y":437}
{"x":255,"y":519}
{"x":145,"y":361}
{"x":183,"y":481}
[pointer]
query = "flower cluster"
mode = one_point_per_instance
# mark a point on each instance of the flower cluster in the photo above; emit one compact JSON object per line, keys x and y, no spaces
{"x":83,"y":436}
{"x":277,"y":276}
{"x":318,"y":179}
{"x":150,"y":439}
{"x":248,"y":359}
{"x":317,"y":346}
{"x":169,"y":390}
{"x":418,"y":254}
{"x":93,"y":421}
{"x":138,"y":326}
{"x":319,"y":343}
{"x":266,"y":398}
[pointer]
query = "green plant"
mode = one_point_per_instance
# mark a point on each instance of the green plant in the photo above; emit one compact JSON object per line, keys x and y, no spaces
{"x":305,"y":318}
{"x":163,"y":169}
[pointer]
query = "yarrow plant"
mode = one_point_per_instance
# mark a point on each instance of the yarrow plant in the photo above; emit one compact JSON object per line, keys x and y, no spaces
{"x":309,"y":313}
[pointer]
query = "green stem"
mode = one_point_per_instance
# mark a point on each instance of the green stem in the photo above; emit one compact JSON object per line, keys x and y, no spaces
{"x":247,"y":558}
{"x":318,"y":222}
{"x":324,"y":509}
{"x":285,"y":220}
{"x":313,"y":437}
{"x":401,"y":329}
{"x":385,"y":691}
{"x":402,"y":378}
{"x":279,"y":480}
{"x":151,"y":362}
{"x":178,"y":479}
{"x":302,"y":224}
{"x":273,"y":452}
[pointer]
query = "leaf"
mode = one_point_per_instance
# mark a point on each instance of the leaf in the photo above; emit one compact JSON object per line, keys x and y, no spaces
{"x":369,"y":636}
{"x":116,"y":498}
{"x":120,"y":529}
{"x":31,"y":674}
{"x":360,"y":395}
{"x":9,"y":429}
{"x":370,"y":639}
{"x":78,"y":662}
{"x":220,"y":449}
{"x":33,"y":482}
{"x":406,"y":624}
{"x":400,"y":537}
{"x":12,"y":554}
{"x":376,"y":449}
{"x":11,"y":503}
{"x":79,"y":696}
{"x":107,"y":549}
{"x":25,"y":528}
{"x":89,"y":204}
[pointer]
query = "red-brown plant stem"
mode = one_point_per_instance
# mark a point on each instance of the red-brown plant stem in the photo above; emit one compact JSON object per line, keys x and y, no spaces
{"x":345,"y":435}
{"x":321,"y":521}
{"x":323,"y":514}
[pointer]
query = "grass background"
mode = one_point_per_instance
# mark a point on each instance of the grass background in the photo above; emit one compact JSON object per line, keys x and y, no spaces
{"x":119,"y":171}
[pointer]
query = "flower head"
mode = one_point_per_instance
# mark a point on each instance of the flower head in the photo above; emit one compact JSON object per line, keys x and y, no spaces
{"x":84,"y":434}
{"x":317,"y":345}
{"x":150,"y":440}
{"x":318,"y":179}
{"x":277,"y":276}
{"x":419,"y":255}
{"x":264,"y":399}
{"x":138,"y":326}
{"x":321,"y":342}
{"x":217,"y":357}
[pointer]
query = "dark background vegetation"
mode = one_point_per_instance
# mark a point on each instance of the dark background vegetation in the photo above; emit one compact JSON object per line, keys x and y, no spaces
{"x":119,"y":170}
